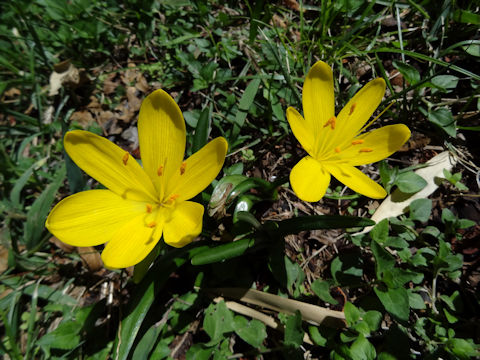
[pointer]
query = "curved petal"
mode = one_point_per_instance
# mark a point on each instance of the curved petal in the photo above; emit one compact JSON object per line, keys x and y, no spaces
{"x":109,"y":164}
{"x":198,"y":171}
{"x":301,"y":130}
{"x":356,"y":180}
{"x":377,"y":145}
{"x":318,"y":101}
{"x":309,"y":179}
{"x":355,"y":114}
{"x":161,"y":133}
{"x":91,"y":217}
{"x":184,"y":225}
{"x":131,"y":243}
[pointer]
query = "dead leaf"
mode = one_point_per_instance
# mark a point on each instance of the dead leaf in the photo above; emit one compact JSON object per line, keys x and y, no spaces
{"x":3,"y":259}
{"x":61,"y":245}
{"x":83,"y":117}
{"x":133,"y":101}
{"x":397,"y":202}
{"x":70,"y":76}
{"x":91,"y":257}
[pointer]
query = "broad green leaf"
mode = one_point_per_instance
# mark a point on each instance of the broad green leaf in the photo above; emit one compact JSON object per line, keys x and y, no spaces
{"x":420,"y":209}
{"x":38,"y":212}
{"x":380,"y":232}
{"x":383,"y":260}
{"x":65,"y":337}
{"x":362,"y":349}
{"x":373,"y":318}
{"x":408,"y":71}
{"x":352,"y":313}
{"x":409,"y":182}
{"x":415,"y":300}
{"x":218,"y":320}
{"x":347,"y":269}
{"x":445,"y":82}
{"x":200,"y":137}
{"x":322,"y":290}
{"x":395,"y":301}
{"x":443,"y":118}
{"x":293,"y":330}
{"x":244,"y":106}
{"x":316,"y":336}
{"x":142,"y":299}
{"x":253,"y":332}
{"x":199,"y":352}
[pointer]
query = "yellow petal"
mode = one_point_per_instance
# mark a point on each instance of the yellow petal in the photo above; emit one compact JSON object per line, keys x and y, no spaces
{"x":377,"y":145}
{"x":132,"y":242}
{"x":309,"y":179}
{"x":161,"y":133}
{"x":109,"y":164}
{"x":301,"y":130}
{"x":198,"y":171}
{"x":356,"y":180}
{"x":318,"y":101}
{"x":184,"y":225}
{"x":91,"y":217}
{"x":354,"y":115}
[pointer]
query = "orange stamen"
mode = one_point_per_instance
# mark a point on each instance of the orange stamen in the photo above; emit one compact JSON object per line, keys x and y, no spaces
{"x":149,"y":208}
{"x":352,"y":108}
{"x":337,"y":149}
{"x":173,"y":197}
{"x":331,"y":122}
{"x":152,"y":224}
{"x":182,"y":168}
{"x":125,"y":158}
{"x":359,"y":141}
{"x":160,"y":170}
{"x":366,"y":150}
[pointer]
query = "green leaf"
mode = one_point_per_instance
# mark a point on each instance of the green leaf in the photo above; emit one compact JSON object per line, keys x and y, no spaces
{"x":415,"y":300}
{"x":443,"y":118}
{"x":352,"y":313}
{"x":316,"y":336}
{"x":252,"y":332}
{"x":293,"y":330}
{"x":65,"y":337}
{"x":41,"y":207}
{"x":373,"y":318}
{"x":445,"y":82}
{"x":244,"y":105}
{"x":362,"y":349}
{"x":199,"y":352}
{"x":395,"y":301}
{"x":383,"y":260}
{"x":305,"y":223}
{"x":143,"y":298}
{"x":463,"y":349}
{"x":218,"y":320}
{"x":148,"y":341}
{"x":380,"y":232}
{"x":322,"y":290}
{"x":408,"y":71}
{"x":466,"y":17}
{"x":222,"y":252}
{"x":420,"y":209}
{"x":347,"y":269}
{"x":409,"y":182}
{"x":200,"y":137}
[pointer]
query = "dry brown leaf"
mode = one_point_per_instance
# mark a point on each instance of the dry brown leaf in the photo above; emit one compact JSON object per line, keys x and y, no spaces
{"x":70,"y":76}
{"x":312,"y":313}
{"x":91,"y":257}
{"x":292,"y":4}
{"x":61,"y":245}
{"x":83,"y":117}
{"x":133,"y":101}
{"x":142,"y":84}
{"x":3,"y":259}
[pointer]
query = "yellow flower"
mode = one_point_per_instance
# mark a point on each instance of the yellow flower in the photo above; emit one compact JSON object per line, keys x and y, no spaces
{"x":141,"y":204}
{"x":336,"y":144}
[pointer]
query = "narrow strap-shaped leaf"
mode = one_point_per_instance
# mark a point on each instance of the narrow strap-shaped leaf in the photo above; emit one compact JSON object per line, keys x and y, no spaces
{"x":244,"y":105}
{"x":202,"y":130}
{"x":297,"y":224}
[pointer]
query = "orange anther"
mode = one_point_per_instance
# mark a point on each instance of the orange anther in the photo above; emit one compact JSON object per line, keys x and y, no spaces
{"x":331,"y":122}
{"x":359,"y":141}
{"x":149,"y":208}
{"x":125,"y":158}
{"x":337,"y":149}
{"x":160,"y":170}
{"x":182,"y":168}
{"x":152,"y":224}
{"x":173,"y":197}
{"x":366,"y":150}
{"x":352,"y":108}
